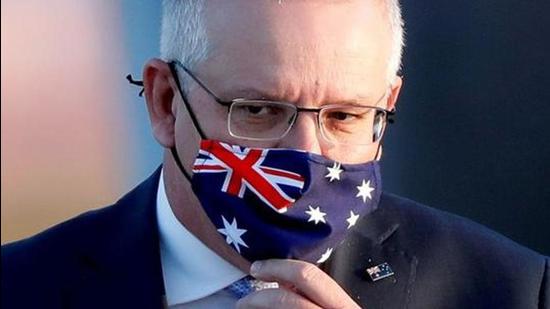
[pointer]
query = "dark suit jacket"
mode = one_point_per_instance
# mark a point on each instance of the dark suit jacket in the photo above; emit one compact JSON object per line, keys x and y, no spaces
{"x":109,"y":258}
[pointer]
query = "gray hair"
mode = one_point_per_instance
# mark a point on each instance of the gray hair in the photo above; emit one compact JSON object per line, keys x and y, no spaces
{"x":183,"y":33}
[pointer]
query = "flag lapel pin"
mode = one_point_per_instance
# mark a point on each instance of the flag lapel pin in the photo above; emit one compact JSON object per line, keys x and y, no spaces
{"x":380,"y":272}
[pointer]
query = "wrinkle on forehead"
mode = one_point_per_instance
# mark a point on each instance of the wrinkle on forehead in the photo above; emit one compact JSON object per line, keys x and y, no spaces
{"x":302,"y":50}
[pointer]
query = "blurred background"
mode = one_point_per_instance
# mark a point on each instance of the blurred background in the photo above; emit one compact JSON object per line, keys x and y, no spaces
{"x":472,"y":134}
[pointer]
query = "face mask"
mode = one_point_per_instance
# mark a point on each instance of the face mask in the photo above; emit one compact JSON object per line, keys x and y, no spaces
{"x":279,"y":203}
{"x":282,"y":203}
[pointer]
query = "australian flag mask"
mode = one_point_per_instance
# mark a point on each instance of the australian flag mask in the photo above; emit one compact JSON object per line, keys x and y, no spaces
{"x":282,"y":203}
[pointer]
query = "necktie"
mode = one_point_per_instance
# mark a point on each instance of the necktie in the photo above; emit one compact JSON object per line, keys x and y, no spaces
{"x":247,"y":285}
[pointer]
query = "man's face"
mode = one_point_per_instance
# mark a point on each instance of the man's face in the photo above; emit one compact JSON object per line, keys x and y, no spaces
{"x":308,"y":53}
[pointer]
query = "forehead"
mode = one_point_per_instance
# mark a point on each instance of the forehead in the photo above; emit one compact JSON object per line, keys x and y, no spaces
{"x":311,"y":41}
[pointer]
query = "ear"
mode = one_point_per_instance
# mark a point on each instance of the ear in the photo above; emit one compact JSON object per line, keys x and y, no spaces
{"x":159,"y":92}
{"x":394,"y":92}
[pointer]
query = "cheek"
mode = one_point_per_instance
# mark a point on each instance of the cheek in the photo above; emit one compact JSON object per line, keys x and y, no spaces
{"x":351,"y":154}
{"x":187,"y":141}
{"x":211,"y":117}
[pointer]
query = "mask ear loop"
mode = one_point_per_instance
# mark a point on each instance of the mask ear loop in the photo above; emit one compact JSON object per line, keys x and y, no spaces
{"x":378,"y":155}
{"x":173,"y":150}
{"x":390,"y":120}
{"x":193,"y":117}
{"x":186,"y":102}
{"x":176,"y":157}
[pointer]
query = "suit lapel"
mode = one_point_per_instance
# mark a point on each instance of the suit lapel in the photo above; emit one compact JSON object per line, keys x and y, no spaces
{"x":371,"y":244}
{"x":121,"y":266}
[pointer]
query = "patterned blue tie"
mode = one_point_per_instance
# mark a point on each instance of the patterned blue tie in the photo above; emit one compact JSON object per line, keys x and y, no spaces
{"x":247,"y":285}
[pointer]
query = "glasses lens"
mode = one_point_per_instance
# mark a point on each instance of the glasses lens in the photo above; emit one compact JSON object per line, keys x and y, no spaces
{"x":356,"y":125}
{"x":260,"y":119}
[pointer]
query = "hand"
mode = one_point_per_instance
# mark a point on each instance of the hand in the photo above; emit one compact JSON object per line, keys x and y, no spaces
{"x":301,"y":285}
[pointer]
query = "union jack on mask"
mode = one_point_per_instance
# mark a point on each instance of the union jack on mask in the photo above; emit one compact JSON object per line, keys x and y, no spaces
{"x":282,"y":203}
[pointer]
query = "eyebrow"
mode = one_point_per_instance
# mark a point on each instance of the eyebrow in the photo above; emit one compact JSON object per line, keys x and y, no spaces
{"x":247,"y":93}
{"x":256,"y":94}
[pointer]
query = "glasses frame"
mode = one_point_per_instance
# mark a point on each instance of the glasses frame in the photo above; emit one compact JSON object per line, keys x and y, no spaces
{"x":388,"y":114}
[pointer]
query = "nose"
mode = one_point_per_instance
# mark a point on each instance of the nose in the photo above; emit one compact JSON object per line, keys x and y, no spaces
{"x":304,"y":134}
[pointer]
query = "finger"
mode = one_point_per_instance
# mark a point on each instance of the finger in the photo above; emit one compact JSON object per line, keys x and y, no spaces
{"x":275,"y":298}
{"x":307,"y":278}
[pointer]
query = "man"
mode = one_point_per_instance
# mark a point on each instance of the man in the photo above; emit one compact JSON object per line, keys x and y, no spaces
{"x":300,"y":85}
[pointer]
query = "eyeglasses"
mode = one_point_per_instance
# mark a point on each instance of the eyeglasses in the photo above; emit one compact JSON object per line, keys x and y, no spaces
{"x":266,"y":120}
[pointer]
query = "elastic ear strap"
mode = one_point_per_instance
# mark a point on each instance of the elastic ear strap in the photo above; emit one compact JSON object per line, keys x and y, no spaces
{"x":178,"y":163}
{"x":390,"y":120}
{"x":378,"y":154}
{"x":187,"y":105}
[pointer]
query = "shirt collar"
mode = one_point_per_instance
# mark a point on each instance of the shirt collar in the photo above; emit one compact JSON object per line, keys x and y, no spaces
{"x":191,"y":270}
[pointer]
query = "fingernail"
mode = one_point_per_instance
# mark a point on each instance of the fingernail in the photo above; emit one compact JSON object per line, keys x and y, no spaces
{"x":255,"y":268}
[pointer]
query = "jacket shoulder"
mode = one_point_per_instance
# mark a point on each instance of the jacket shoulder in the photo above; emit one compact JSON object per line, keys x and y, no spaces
{"x":453,"y":251}
{"x":42,"y":264}
{"x":53,"y":243}
{"x":67,"y":254}
{"x":60,"y":242}
{"x":88,"y":230}
{"x":426,"y":225}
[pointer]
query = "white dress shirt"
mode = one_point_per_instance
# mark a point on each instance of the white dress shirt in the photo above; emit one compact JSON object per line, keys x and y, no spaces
{"x":194,"y":275}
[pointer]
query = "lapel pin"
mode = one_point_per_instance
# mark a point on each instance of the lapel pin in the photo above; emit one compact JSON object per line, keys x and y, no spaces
{"x":380,"y":272}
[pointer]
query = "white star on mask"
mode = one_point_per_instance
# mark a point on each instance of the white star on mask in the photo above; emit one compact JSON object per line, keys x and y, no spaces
{"x":233,"y":234}
{"x":352,"y":219}
{"x":325,"y":256}
{"x":315,"y":214}
{"x":334,"y":172}
{"x":365,"y":191}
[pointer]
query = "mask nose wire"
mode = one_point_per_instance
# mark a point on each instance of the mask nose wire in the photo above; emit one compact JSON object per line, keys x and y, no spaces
{"x":194,"y":120}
